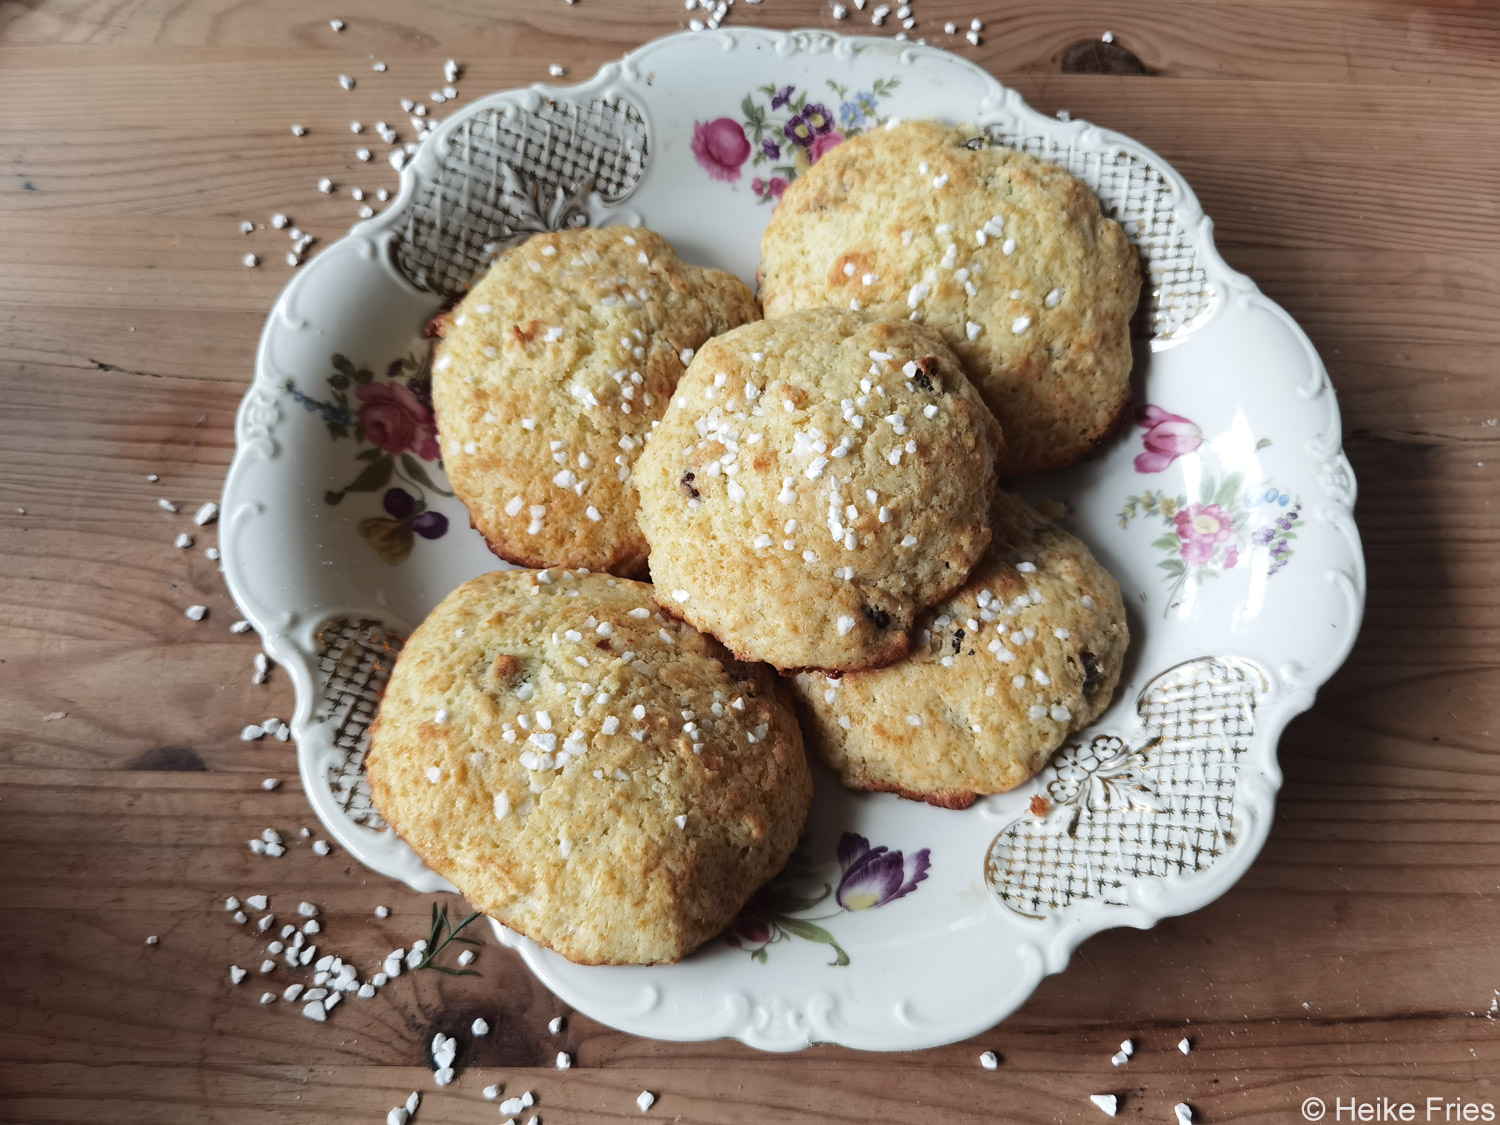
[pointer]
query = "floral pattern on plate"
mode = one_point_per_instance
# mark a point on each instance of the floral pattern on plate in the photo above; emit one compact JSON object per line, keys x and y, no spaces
{"x":1096,"y":776}
{"x":869,"y":877}
{"x":786,"y":131}
{"x":393,"y":421}
{"x":1228,"y":523}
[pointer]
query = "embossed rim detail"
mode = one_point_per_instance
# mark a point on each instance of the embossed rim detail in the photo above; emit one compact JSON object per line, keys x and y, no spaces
{"x":1133,"y":775}
{"x":811,"y":1009}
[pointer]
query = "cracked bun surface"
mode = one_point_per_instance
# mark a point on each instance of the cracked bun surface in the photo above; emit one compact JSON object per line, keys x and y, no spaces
{"x":818,"y":481}
{"x":588,"y":771}
{"x":1007,"y":256}
{"x":1026,"y":653}
{"x":547,"y":380}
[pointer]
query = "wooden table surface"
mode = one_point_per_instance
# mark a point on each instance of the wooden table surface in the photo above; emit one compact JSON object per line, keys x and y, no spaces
{"x":1349,"y":151}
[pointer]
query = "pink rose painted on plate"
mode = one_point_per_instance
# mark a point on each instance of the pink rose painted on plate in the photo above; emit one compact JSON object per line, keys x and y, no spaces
{"x":823,"y":144}
{"x":394,"y":430}
{"x":1168,"y":437}
{"x":396,"y":420}
{"x":1231,"y":521}
{"x":769,"y":189}
{"x":721,"y":148}
{"x":1202,"y":527}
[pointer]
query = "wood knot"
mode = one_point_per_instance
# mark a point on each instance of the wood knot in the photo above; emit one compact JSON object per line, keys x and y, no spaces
{"x":1094,"y":56}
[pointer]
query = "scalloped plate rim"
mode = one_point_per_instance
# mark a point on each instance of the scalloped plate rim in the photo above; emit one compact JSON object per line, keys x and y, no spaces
{"x":1059,"y":937}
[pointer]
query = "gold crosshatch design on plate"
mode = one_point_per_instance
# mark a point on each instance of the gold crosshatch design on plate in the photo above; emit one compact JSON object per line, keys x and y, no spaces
{"x":355,"y":658}
{"x":507,"y":175}
{"x":1119,"y":812}
{"x":1136,"y":195}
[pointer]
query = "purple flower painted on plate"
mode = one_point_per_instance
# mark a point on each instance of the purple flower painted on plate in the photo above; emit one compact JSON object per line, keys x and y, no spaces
{"x":721,"y":147}
{"x":783,"y":97}
{"x":750,"y":933}
{"x":869,"y":877}
{"x":804,"y":128}
{"x":392,"y":538}
{"x":769,"y":146}
{"x":817,"y":116}
{"x":1168,"y":437}
{"x":430,"y":525}
{"x":421,"y":388}
{"x":876,"y":876}
{"x":399,"y":503}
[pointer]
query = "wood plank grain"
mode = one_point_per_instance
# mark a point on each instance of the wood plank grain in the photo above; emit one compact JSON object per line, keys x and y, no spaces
{"x":1335,"y":40}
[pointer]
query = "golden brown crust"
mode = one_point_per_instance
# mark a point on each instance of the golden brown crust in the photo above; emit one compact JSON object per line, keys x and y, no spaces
{"x":1028,"y":651}
{"x":548,"y":377}
{"x":880,"y":659}
{"x":632,"y":566}
{"x":942,"y":799}
{"x":818,"y":481}
{"x":867,"y":225}
{"x":515,"y":770}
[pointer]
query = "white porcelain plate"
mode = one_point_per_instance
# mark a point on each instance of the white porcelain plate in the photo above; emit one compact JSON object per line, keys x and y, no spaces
{"x":1224,"y":510}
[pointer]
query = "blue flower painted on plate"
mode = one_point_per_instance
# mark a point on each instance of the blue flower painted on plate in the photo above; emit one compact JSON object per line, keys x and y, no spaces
{"x":335,"y":414}
{"x":859,"y":109}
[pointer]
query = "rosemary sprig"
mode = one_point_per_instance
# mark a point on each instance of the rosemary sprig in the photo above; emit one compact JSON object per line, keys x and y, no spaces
{"x":444,"y":932}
